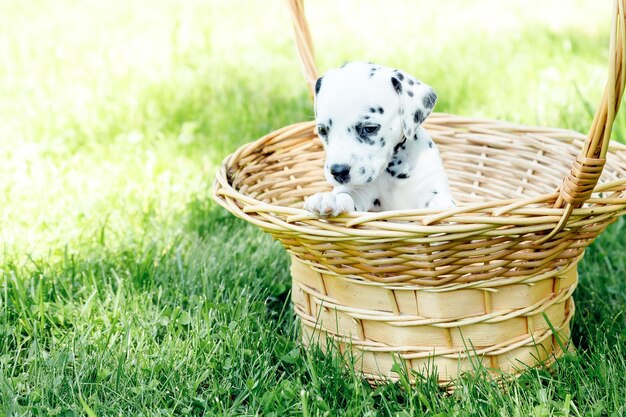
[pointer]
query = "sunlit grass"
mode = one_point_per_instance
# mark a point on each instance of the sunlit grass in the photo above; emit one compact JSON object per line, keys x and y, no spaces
{"x":111,"y":109}
{"x":125,"y":290}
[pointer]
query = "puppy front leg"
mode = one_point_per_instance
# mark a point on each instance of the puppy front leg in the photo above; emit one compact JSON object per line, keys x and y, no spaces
{"x":441,"y":200}
{"x":341,"y":199}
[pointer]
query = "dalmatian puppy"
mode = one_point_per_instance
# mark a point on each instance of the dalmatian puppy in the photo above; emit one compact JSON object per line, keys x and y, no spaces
{"x":378,"y":156}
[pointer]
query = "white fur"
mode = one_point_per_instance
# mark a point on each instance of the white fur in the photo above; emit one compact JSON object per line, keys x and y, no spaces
{"x":344,"y":103}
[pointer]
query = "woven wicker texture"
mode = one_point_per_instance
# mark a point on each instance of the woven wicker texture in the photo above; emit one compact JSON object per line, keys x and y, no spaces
{"x":502,"y":325}
{"x":476,"y":283}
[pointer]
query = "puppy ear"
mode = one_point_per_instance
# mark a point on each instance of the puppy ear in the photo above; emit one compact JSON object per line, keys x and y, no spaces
{"x":417,"y":101}
{"x":318,"y":85}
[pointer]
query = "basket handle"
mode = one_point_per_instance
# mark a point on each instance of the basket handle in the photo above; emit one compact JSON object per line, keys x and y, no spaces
{"x":578,"y":184}
{"x":304,"y":43}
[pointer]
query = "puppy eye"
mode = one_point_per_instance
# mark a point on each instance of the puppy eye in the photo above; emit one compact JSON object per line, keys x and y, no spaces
{"x":370,"y":129}
{"x":321,"y":130}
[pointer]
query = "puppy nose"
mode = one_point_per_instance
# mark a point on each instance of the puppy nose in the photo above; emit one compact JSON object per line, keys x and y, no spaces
{"x":341,"y":172}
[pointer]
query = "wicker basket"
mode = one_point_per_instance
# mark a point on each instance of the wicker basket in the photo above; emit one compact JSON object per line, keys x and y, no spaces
{"x":488,"y":282}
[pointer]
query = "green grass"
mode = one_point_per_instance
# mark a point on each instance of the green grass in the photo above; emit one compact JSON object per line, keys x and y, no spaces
{"x":125,"y":291}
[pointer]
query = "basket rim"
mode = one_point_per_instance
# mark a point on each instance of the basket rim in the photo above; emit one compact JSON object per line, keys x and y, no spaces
{"x":467,"y":216}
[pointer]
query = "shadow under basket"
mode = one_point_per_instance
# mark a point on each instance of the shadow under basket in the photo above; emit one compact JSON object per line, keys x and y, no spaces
{"x":489,"y":282}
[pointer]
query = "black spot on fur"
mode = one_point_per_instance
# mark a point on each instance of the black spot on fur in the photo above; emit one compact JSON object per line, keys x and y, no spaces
{"x":393,"y":166}
{"x":411,"y":82}
{"x":382,"y":143}
{"x":372,"y":110}
{"x":415,"y":137}
{"x":430,"y":99}
{"x":318,"y":85}
{"x":435,"y":192}
{"x":330,"y":122}
{"x":410,"y":93}
{"x":369,"y":179}
{"x":366,"y":117}
{"x":396,"y":85}
{"x":362,"y":170}
{"x":430,"y":144}
{"x":427,"y":204}
{"x":400,"y":145}
{"x":418,"y":117}
{"x":381,"y":110}
{"x":377,"y":203}
{"x":399,"y":75}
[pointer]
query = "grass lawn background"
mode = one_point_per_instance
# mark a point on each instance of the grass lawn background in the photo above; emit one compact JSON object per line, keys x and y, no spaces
{"x":124,"y":290}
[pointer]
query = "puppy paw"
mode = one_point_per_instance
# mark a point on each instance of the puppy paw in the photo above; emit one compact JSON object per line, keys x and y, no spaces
{"x":442,"y":201}
{"x":329,"y":204}
{"x":442,"y":205}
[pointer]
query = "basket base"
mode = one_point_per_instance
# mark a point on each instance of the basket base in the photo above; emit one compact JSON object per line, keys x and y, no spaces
{"x":380,"y":339}
{"x":380,"y":367}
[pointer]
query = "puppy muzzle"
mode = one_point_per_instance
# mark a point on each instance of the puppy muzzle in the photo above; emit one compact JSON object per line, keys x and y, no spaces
{"x":341,"y":173}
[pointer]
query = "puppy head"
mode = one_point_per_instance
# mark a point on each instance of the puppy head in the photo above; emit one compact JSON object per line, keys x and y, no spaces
{"x":362,"y":111}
